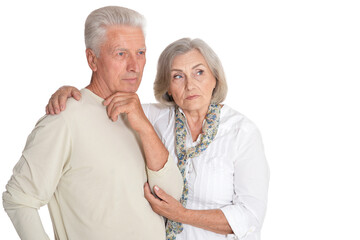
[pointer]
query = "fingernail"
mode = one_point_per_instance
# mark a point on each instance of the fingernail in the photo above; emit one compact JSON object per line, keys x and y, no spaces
{"x":62,"y":107}
{"x":156,"y":188}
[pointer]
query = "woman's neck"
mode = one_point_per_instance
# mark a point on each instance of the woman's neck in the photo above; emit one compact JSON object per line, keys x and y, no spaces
{"x":195,"y":121}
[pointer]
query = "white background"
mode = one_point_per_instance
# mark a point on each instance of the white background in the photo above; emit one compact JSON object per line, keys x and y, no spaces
{"x":292,"y":67}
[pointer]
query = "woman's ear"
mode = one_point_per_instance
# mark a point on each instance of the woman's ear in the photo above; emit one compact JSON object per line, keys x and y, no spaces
{"x":92,"y":59}
{"x":168,"y":96}
{"x":216,"y":82}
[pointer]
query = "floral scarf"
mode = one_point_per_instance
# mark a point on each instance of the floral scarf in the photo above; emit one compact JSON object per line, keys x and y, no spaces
{"x":209,"y":131}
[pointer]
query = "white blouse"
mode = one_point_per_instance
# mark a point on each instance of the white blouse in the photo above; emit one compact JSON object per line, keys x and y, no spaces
{"x":231,"y":175}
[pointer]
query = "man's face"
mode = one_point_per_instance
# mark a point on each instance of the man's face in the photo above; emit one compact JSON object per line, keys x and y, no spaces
{"x":122,"y":59}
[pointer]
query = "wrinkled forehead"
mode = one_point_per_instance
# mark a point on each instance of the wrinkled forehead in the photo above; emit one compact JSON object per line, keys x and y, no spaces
{"x":123,"y":36}
{"x":189,"y":59}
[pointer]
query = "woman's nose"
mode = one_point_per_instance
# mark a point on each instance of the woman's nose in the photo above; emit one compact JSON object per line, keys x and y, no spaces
{"x":190,"y":81}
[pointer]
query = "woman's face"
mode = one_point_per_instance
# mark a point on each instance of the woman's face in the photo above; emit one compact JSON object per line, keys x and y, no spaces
{"x":192,"y":82}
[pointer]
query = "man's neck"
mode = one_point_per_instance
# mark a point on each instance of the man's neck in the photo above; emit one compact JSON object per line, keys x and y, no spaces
{"x":99,"y":89}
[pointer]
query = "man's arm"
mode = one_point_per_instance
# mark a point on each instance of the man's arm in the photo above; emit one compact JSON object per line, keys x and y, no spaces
{"x":27,"y":223}
{"x":161,"y":168}
{"x":36,"y":175}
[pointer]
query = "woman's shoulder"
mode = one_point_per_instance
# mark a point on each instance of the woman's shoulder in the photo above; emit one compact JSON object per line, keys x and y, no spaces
{"x":155,"y":111}
{"x":233,"y":119}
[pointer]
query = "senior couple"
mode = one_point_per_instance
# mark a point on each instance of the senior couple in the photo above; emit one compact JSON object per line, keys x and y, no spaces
{"x":109,"y":167}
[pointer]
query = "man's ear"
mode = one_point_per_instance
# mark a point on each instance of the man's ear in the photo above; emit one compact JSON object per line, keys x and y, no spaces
{"x":92,"y":59}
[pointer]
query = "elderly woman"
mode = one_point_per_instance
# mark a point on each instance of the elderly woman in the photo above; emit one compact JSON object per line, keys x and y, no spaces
{"x":219,"y":151}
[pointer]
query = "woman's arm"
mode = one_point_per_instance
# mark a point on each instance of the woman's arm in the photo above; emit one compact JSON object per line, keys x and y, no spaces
{"x":251,"y":179}
{"x":246,"y":213}
{"x":212,"y":220}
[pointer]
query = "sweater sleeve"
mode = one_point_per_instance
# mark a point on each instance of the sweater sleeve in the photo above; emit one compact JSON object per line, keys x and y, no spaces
{"x":36,"y":175}
{"x":168,"y":178}
{"x":251,"y":177}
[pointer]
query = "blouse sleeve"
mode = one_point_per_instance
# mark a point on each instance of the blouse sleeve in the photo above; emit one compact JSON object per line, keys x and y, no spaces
{"x":251,"y":180}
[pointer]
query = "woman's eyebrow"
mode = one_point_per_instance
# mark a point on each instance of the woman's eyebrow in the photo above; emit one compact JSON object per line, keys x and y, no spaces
{"x":197,"y":65}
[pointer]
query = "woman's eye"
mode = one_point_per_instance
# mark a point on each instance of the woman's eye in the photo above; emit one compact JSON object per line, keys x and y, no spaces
{"x":200,"y":72}
{"x":177,"y":76}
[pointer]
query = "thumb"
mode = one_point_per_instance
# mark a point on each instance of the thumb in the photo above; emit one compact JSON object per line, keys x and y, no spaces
{"x":161,"y":193}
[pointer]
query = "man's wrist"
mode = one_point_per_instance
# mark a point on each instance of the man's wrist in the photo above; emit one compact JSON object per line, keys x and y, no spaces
{"x":147,"y":130}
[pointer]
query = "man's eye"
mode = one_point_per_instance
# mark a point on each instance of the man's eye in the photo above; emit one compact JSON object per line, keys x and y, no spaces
{"x":142,"y":52}
{"x":121,"y":53}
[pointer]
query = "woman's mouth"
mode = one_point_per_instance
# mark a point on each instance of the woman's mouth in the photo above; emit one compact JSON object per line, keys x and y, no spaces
{"x":192,"y":97}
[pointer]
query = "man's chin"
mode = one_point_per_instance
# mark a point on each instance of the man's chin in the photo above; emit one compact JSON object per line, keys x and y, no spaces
{"x":127,"y":90}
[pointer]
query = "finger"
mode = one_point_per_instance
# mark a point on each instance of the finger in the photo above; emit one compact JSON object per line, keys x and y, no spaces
{"x":110,"y":98}
{"x":62,"y":101}
{"x":149,"y":196}
{"x":75,"y":93}
{"x":118,"y":105}
{"x":50,"y":108}
{"x":110,"y":105}
{"x":55,"y":103}
{"x":117,"y":109}
{"x":47,"y":109}
{"x":65,"y":92}
{"x":161,"y":194}
{"x":117,"y":95}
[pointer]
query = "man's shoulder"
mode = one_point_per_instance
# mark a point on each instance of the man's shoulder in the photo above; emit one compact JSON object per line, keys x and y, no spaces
{"x":73,"y":105}
{"x":73,"y":108}
{"x":79,"y":107}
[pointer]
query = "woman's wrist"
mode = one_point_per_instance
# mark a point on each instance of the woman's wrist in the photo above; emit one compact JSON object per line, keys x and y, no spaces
{"x":183,"y":216}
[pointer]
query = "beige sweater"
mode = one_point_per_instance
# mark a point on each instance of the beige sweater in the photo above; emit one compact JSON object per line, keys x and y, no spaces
{"x":91,"y":172}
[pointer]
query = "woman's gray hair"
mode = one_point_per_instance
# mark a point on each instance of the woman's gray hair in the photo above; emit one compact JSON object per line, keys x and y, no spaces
{"x":179,"y":47}
{"x":99,"y":19}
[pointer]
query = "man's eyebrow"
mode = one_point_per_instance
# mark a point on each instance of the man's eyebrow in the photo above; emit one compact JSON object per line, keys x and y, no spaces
{"x":125,"y":49}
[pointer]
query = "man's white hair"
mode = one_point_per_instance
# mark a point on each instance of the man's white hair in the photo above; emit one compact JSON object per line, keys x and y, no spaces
{"x":99,"y":19}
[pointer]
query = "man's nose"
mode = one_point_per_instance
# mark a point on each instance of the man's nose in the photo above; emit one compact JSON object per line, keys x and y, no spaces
{"x":132,"y":64}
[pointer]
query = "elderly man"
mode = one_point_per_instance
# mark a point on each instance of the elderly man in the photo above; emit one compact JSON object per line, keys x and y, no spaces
{"x":88,"y":169}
